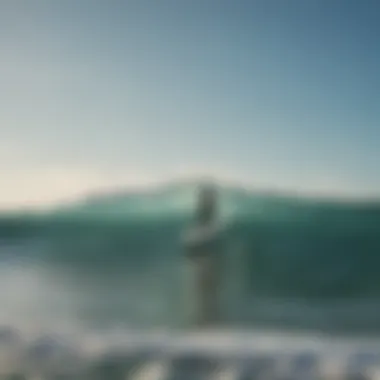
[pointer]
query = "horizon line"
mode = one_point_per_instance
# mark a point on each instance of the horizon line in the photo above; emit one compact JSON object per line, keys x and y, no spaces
{"x":252,"y":189}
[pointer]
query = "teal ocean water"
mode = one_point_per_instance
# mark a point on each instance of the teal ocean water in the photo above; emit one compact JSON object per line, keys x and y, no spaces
{"x":117,"y":260}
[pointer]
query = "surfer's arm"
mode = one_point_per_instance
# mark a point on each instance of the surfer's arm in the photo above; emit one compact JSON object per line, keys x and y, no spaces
{"x":199,"y":241}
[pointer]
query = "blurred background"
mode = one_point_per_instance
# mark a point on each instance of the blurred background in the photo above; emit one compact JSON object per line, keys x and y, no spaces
{"x":112,"y":113}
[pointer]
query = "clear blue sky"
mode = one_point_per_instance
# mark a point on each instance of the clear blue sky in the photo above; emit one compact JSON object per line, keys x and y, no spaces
{"x":274,"y":93}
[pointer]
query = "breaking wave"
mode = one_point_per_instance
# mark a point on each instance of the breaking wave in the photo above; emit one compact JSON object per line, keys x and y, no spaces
{"x":286,"y":260}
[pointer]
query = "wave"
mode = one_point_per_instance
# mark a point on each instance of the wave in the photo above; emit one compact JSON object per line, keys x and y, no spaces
{"x":280,"y":246}
{"x":116,"y":354}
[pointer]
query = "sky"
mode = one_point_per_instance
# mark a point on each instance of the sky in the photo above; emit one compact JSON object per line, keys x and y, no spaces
{"x":280,"y":94}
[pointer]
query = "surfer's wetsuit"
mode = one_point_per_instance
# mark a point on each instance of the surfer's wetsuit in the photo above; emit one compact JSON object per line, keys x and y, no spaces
{"x":203,"y":236}
{"x":202,"y":246}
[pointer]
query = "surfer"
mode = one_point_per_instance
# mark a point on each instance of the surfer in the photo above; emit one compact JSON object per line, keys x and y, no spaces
{"x":201,"y":245}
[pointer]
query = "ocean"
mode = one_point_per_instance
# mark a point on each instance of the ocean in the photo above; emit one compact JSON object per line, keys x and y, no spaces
{"x":290,"y":266}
